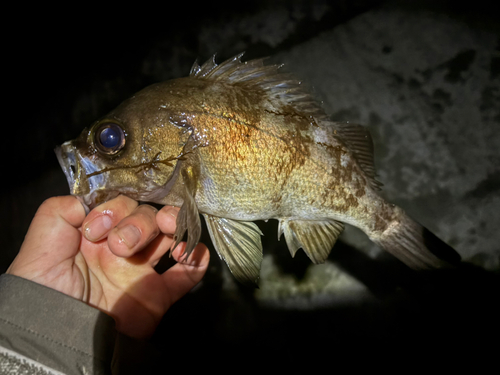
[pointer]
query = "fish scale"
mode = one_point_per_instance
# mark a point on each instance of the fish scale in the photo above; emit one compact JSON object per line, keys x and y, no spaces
{"x":239,"y":142}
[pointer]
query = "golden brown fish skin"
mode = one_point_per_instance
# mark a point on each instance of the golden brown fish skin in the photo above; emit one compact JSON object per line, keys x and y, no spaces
{"x":259,"y":160}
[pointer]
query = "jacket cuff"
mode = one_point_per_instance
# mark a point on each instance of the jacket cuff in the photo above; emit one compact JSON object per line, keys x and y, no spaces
{"x":54,"y":329}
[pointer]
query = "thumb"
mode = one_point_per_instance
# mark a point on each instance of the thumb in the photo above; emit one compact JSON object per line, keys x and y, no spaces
{"x":53,"y":236}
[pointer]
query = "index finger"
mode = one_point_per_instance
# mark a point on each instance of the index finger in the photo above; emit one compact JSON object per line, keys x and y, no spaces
{"x":134,"y":232}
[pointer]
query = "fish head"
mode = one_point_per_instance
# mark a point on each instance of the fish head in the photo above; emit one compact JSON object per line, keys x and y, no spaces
{"x":133,"y":150}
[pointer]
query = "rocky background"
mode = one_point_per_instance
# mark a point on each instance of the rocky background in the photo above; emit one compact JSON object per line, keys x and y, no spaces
{"x":423,"y":76}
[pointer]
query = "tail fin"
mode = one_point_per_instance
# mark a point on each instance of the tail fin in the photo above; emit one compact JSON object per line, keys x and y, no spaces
{"x":416,"y":246}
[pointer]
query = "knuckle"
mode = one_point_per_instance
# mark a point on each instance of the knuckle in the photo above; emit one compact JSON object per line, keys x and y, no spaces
{"x":148,"y":209}
{"x":52,"y":203}
{"x":121,"y":204}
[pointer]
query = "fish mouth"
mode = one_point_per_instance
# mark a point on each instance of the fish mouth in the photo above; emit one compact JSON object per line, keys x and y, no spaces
{"x":92,"y":187}
{"x":88,"y":190}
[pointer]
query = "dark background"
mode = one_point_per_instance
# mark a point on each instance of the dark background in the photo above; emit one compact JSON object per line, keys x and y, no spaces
{"x":65,"y":68}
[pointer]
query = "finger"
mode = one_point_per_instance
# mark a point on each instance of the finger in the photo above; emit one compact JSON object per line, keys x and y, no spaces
{"x":166,"y":219}
{"x":54,"y":226}
{"x":153,"y":252}
{"x":183,"y":276}
{"x":104,"y":217}
{"x":134,"y":232}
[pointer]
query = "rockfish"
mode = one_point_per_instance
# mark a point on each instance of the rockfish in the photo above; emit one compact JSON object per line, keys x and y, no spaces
{"x":239,"y":142}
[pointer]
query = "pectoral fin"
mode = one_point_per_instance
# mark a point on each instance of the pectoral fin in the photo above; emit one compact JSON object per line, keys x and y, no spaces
{"x":238,"y":243}
{"x":188,"y":217}
{"x":316,"y":238}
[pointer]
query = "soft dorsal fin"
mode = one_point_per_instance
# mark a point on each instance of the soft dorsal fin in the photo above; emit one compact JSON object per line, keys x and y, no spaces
{"x":359,"y":141}
{"x":254,"y":74}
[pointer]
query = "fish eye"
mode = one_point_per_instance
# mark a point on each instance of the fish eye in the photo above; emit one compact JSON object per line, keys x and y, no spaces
{"x":109,"y":138}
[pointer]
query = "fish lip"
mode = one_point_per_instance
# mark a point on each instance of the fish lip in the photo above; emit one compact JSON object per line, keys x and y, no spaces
{"x":67,"y":161}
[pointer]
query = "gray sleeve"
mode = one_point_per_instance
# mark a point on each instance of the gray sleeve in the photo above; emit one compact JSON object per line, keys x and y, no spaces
{"x":49,"y":328}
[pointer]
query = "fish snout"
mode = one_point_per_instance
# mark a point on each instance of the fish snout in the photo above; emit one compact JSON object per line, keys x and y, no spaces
{"x":82,"y":173}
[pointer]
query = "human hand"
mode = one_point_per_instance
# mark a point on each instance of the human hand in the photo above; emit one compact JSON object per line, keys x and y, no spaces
{"x":97,"y":260}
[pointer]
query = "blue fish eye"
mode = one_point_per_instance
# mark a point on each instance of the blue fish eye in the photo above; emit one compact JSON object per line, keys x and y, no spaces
{"x":109,"y":138}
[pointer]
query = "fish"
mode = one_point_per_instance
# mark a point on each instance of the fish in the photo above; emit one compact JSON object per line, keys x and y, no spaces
{"x":239,"y":142}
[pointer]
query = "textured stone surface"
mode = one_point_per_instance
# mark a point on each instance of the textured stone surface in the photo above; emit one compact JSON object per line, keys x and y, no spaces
{"x":424,"y":84}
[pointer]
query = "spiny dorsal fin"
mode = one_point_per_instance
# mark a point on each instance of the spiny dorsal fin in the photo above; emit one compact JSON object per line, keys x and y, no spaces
{"x":277,"y":85}
{"x":290,"y":91}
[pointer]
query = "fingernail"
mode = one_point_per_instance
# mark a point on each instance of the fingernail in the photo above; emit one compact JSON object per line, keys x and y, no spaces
{"x":98,"y":227}
{"x":130,"y":235}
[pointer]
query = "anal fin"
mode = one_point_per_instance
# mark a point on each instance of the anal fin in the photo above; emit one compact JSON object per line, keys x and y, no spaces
{"x":316,"y":238}
{"x":238,"y":244}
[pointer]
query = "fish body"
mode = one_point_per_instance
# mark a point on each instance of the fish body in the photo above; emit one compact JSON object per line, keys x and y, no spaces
{"x":239,"y":142}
